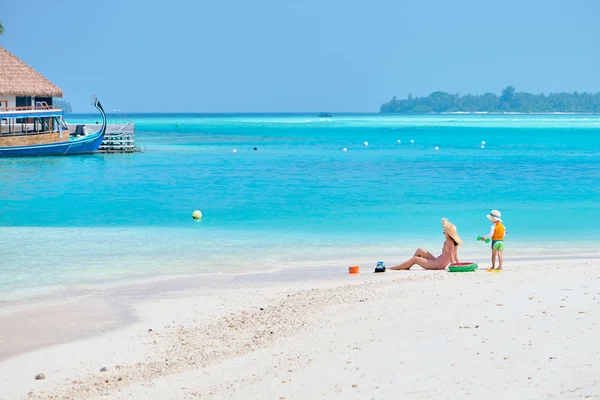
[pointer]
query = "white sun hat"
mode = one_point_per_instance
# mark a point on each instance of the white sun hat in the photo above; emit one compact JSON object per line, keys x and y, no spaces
{"x":494,"y":216}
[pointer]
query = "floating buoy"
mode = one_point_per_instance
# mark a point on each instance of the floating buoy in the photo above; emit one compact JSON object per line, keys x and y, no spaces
{"x":398,"y":141}
{"x":344,"y":149}
{"x":234,"y":150}
{"x":436,"y":148}
{"x":366,"y":144}
{"x":482,"y":143}
{"x":412,"y":140}
{"x":197,"y":214}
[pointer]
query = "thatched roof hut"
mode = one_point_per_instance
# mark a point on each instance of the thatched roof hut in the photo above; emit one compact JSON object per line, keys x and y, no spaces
{"x":19,"y":79}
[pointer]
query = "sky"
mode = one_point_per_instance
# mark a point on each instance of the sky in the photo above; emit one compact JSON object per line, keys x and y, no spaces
{"x":303,"y":56}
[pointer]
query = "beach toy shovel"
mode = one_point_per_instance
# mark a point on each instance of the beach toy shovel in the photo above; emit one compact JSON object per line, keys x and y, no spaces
{"x":495,"y":271}
{"x":479,"y":238}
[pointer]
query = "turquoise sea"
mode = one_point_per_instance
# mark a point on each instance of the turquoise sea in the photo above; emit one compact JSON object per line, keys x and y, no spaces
{"x":298,"y":200}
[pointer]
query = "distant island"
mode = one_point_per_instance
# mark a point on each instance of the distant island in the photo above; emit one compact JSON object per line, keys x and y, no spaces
{"x":508,"y":101}
{"x":64,"y":105}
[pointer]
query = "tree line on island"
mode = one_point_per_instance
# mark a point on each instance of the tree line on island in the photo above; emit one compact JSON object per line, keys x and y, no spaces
{"x":508,"y":101}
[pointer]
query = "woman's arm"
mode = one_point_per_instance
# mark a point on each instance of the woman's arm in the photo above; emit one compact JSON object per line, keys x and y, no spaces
{"x":454,"y":255}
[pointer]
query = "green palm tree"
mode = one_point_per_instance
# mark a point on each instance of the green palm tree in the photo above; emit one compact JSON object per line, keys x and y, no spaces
{"x":1,"y":28}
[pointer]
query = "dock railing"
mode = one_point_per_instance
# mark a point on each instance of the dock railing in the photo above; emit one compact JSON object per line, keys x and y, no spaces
{"x":41,"y":107}
{"x":120,"y":138}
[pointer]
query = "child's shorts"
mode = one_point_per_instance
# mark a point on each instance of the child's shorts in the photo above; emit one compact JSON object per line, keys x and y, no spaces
{"x":498,"y":245}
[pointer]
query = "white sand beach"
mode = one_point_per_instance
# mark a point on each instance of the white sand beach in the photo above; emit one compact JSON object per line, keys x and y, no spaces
{"x":528,"y":332}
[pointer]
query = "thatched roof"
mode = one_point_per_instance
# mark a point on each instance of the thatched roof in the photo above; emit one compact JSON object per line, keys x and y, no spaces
{"x":19,"y":79}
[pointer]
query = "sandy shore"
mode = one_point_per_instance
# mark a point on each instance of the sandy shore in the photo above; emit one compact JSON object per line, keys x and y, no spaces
{"x":528,"y":332}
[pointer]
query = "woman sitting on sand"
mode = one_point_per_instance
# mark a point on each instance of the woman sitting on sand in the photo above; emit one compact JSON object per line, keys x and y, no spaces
{"x":449,"y":252}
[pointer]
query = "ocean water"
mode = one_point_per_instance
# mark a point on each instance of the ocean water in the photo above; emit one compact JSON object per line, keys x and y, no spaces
{"x":298,"y":200}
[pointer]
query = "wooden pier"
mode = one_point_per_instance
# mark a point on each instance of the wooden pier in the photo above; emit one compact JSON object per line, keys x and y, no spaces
{"x":119,"y":138}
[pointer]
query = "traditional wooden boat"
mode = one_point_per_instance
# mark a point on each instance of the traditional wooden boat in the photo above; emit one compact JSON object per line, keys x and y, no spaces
{"x":41,"y":130}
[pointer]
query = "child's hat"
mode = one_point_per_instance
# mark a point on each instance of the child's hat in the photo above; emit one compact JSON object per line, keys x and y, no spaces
{"x":494,"y":216}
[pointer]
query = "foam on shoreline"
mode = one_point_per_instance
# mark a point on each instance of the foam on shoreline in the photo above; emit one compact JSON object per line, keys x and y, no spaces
{"x":45,"y":277}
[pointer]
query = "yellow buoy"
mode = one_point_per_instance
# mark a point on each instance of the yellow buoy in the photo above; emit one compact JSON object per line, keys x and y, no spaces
{"x":197,"y":214}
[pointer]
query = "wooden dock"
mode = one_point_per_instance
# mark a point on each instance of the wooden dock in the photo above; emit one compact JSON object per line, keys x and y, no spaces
{"x":119,"y":138}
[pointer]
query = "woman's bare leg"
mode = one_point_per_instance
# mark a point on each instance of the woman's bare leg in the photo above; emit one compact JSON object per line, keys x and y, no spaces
{"x":420,"y":253}
{"x":422,"y":262}
{"x":428,"y":264}
{"x":406,"y":264}
{"x":424,"y":253}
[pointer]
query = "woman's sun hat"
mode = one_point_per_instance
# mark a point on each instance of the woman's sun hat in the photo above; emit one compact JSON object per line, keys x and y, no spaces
{"x":494,"y":216}
{"x":450,"y":229}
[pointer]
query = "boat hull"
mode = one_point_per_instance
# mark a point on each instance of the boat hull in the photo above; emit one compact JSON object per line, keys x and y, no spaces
{"x":85,"y":145}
